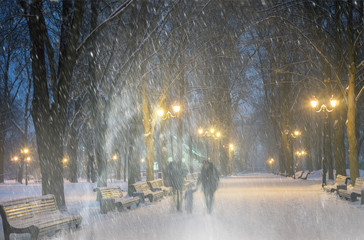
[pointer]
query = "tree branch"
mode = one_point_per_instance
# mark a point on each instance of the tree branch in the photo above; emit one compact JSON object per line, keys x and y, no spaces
{"x":360,"y":92}
{"x":94,"y":33}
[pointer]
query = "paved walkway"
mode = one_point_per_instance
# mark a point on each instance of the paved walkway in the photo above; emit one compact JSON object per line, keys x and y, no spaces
{"x":256,"y":206}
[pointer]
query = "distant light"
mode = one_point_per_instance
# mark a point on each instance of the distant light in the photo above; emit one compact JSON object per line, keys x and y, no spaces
{"x":231,"y":146}
{"x":142,"y":160}
{"x":15,"y":158}
{"x":64,"y":160}
{"x":218,"y":134}
{"x":176,"y":108}
{"x":160,"y":112}
{"x":25,"y":150}
{"x":114,"y":157}
{"x":200,"y":131}
{"x":212,"y":130}
{"x":28,"y":159}
{"x":297,"y":133}
{"x":333,"y":102}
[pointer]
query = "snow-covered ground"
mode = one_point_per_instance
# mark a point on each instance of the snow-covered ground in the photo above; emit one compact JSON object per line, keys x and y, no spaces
{"x":248,"y":206}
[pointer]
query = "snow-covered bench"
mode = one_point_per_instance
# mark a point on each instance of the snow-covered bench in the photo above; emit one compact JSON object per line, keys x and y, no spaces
{"x":299,"y":174}
{"x":158,"y":183}
{"x":35,"y":215}
{"x":340,"y":183}
{"x":142,"y":190}
{"x":304,"y":175}
{"x":111,"y":197}
{"x":352,"y":194}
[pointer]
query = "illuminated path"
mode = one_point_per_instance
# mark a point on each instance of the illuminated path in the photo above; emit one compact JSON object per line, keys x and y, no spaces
{"x":259,"y":206}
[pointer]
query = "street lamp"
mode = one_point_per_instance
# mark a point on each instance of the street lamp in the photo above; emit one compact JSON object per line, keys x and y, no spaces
{"x":325,"y":109}
{"x":164,"y":115}
{"x":209,"y":133}
{"x":295,"y":133}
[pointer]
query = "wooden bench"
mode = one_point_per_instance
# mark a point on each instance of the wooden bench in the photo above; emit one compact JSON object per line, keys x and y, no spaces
{"x":35,"y":215}
{"x":340,"y":183}
{"x":352,"y":194}
{"x":304,"y":175}
{"x":142,"y":190}
{"x":111,"y":197}
{"x":158,"y":183}
{"x":298,"y":174}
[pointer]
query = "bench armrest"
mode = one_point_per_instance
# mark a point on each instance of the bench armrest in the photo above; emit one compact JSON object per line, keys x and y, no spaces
{"x":140,"y":195}
{"x":341,"y":186}
{"x":107,"y":204}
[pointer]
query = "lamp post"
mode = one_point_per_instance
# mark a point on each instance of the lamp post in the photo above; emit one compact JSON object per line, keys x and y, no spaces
{"x":211,"y":133}
{"x":173,"y":112}
{"x":24,"y":153}
{"x":230,"y":165}
{"x":114,"y":158}
{"x":27,"y":160}
{"x":299,"y":154}
{"x":292,"y":134}
{"x":324,"y":109}
{"x":15,"y":159}
{"x":270,"y":162}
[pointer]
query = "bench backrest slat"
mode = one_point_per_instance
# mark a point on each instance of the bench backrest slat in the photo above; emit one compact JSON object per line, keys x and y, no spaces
{"x":359,"y":184}
{"x":340,"y":179}
{"x":141,"y":187}
{"x":156,"y":183}
{"x":110,"y":192}
{"x":29,"y":207}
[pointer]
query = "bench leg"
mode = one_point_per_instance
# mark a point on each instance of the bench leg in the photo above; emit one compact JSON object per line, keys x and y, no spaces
{"x":7,"y":235}
{"x":34,"y":232}
{"x":353,"y":197}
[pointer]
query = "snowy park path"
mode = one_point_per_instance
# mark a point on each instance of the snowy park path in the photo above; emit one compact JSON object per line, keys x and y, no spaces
{"x":254,"y":206}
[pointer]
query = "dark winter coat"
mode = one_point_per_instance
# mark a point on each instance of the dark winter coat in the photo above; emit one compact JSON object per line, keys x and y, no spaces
{"x":176,"y":175}
{"x":209,"y":178}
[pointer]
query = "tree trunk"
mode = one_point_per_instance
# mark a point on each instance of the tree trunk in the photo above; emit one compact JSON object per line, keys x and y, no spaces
{"x":148,"y":132}
{"x":164,"y":151}
{"x":72,"y":147}
{"x":351,"y":127}
{"x":339,"y":140}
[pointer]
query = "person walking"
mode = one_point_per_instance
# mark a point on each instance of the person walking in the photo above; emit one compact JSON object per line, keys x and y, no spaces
{"x":176,"y":179}
{"x":209,"y":178}
{"x":189,"y":197}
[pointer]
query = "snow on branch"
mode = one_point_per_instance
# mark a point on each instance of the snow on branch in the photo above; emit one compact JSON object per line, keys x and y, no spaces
{"x":360,"y":92}
{"x":93,"y":34}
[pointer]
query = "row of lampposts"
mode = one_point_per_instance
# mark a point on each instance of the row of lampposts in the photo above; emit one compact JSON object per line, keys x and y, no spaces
{"x":214,"y":134}
{"x":211,"y":133}
{"x":323,"y":106}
